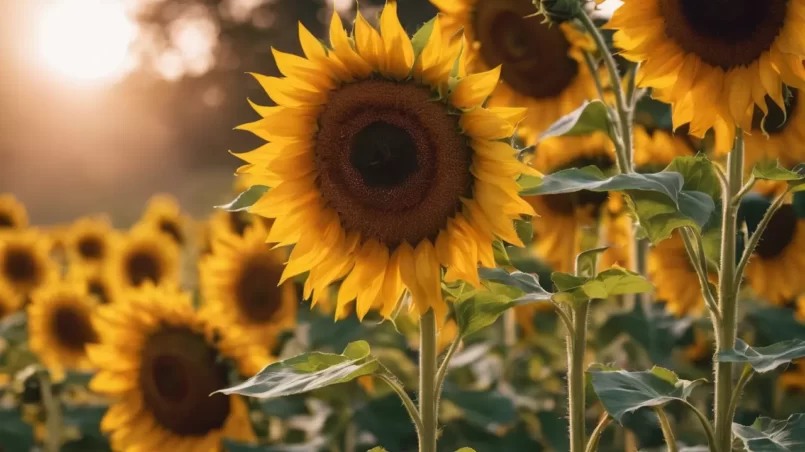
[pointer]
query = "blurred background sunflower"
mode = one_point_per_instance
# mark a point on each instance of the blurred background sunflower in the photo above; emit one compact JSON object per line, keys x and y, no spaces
{"x":12,"y":213}
{"x":25,"y":263}
{"x":675,"y":280}
{"x":144,"y":255}
{"x":89,"y":241}
{"x":164,"y":215}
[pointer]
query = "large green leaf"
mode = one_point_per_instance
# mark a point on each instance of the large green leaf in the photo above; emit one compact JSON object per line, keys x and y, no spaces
{"x":592,"y":116}
{"x":623,"y":392}
{"x":527,"y":282}
{"x":608,"y":283}
{"x":490,"y":410}
{"x":764,"y":359}
{"x":771,"y":170}
{"x":307,"y":372}
{"x":698,"y":173}
{"x":769,"y":435}
{"x":659,"y":215}
{"x":592,"y":179}
{"x":245,"y":199}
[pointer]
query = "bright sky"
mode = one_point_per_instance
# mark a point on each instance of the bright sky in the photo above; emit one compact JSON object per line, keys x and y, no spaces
{"x":84,"y":40}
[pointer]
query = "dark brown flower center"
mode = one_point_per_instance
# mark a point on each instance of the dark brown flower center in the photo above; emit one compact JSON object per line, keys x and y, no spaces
{"x":173,"y":229}
{"x":724,"y":33}
{"x":777,"y":119}
{"x":534,"y":54}
{"x":72,"y":328}
{"x":259,"y":297}
{"x":97,"y":288}
{"x":143,"y":266}
{"x":6,"y":221}
{"x":91,"y":247}
{"x":21,"y":265}
{"x":178,"y":372}
{"x":391,"y":161}
{"x":779,"y":233}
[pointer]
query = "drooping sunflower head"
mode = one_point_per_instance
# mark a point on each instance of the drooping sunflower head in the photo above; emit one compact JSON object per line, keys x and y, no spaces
{"x":60,"y":326}
{"x":159,"y":361}
{"x":25,"y":262}
{"x":561,"y":219}
{"x":10,"y":301}
{"x":542,"y":64}
{"x":715,"y":60}
{"x":12,"y":213}
{"x":88,"y":241}
{"x":164,"y":214}
{"x":774,"y":271}
{"x":143,"y":255}
{"x":385,"y":165}
{"x":241,"y":280}
{"x":674,"y":277}
{"x":654,"y":149}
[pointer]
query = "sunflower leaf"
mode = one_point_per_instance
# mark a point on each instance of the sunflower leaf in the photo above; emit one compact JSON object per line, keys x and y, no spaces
{"x":592,"y":179}
{"x":764,"y":359}
{"x":772,"y":170}
{"x":623,"y":392}
{"x":526,"y":282}
{"x":659,"y":216}
{"x":769,"y":435}
{"x":478,"y":309}
{"x":610,"y":282}
{"x":592,"y":116}
{"x":245,"y":199}
{"x":587,"y":261}
{"x":308,"y":371}
{"x":698,"y":173}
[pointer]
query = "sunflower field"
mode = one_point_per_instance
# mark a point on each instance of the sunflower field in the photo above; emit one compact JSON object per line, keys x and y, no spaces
{"x":548,"y":225}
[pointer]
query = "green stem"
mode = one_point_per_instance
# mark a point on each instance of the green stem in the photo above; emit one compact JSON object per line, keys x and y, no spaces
{"x":756,"y":236}
{"x":699,"y":262}
{"x":623,"y":145}
{"x":442,"y":372}
{"x":727,"y":295}
{"x":746,"y":375}
{"x":428,"y":398}
{"x":595,"y":437}
{"x":410,"y":406}
{"x":576,"y":348}
{"x":667,"y":431}
{"x":708,"y":429}
{"x":53,"y":415}
{"x":744,"y":190}
{"x":592,"y":66}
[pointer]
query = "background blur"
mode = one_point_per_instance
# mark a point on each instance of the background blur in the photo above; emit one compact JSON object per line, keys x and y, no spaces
{"x":106,"y":102}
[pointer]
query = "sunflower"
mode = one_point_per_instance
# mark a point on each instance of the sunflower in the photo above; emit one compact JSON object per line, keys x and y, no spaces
{"x":774,"y":272}
{"x":715,"y":60}
{"x":10,"y":301}
{"x":781,"y":135}
{"x":12,"y":213}
{"x":143,"y":255}
{"x":561,"y":220}
{"x":159,"y":361}
{"x":60,"y":326}
{"x":654,"y":149}
{"x":240,"y":280}
{"x":96,"y":282}
{"x":674,"y":277}
{"x":793,"y":379}
{"x":385,"y":168}
{"x":25,"y":263}
{"x":88,"y":241}
{"x":542,"y":64}
{"x":163,"y":213}
{"x":230,"y":223}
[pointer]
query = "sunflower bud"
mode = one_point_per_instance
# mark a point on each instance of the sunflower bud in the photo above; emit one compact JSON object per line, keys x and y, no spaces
{"x":559,"y":11}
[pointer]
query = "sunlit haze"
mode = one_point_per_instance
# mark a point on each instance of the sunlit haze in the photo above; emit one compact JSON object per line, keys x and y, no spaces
{"x":84,"y":39}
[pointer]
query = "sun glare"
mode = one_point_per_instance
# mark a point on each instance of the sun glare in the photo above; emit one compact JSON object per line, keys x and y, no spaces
{"x":85,"y":39}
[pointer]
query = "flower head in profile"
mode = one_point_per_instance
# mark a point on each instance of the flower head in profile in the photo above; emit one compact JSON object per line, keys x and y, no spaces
{"x":714,"y":61}
{"x":386,"y":166}
{"x":12,"y":213}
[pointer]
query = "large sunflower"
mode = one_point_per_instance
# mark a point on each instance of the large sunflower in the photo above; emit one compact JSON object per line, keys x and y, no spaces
{"x":561,"y":219}
{"x":88,"y":241}
{"x":12,"y":213}
{"x":60,"y":326}
{"x":159,"y":361}
{"x":714,"y":60}
{"x":10,"y":301}
{"x":240,"y":280}
{"x":385,"y":168}
{"x":542,"y":65}
{"x":775,"y":270}
{"x":784,"y":136}
{"x":143,"y":255}
{"x":25,"y":263}
{"x":674,"y":277}
{"x":164,"y":214}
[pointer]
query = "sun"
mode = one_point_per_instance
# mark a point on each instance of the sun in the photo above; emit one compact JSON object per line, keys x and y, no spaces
{"x":86,"y":40}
